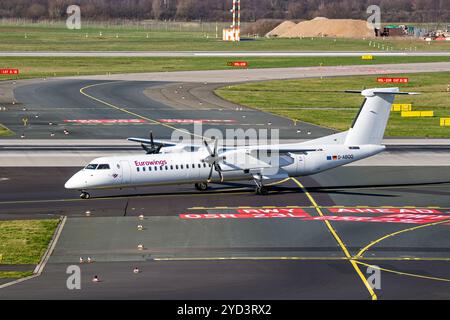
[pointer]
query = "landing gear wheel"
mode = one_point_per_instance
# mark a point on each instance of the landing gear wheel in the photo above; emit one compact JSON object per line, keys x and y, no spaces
{"x":85,"y":195}
{"x":262,"y":191}
{"x":201,"y":186}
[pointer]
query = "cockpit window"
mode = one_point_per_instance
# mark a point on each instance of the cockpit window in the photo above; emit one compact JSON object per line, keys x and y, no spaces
{"x":91,"y":166}
{"x":103,"y":166}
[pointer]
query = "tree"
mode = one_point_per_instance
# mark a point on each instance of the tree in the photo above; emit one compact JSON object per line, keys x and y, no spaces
{"x":36,"y":11}
{"x":297,"y":10}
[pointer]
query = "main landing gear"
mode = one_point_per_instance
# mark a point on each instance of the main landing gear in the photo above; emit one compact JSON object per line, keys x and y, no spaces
{"x":201,"y":186}
{"x":260,"y":188}
{"x":84,"y":195}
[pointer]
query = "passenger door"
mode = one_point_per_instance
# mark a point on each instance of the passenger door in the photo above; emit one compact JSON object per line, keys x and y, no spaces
{"x":301,"y":159}
{"x":126,"y":172}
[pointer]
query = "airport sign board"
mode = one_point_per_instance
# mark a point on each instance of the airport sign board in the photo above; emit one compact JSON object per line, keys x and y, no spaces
{"x":392,"y":80}
{"x":9,"y":71}
{"x":239,"y":64}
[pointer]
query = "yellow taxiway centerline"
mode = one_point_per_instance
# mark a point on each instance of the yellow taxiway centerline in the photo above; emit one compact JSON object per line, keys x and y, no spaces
{"x":339,"y":241}
{"x":372,"y":243}
{"x":130,"y":112}
{"x":403,"y":273}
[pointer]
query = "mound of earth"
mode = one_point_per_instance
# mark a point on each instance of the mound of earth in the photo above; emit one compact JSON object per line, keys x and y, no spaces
{"x":336,"y":28}
{"x":281,"y":28}
{"x":260,"y":27}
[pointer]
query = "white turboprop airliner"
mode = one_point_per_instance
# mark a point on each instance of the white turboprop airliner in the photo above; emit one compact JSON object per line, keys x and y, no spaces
{"x":172,"y":163}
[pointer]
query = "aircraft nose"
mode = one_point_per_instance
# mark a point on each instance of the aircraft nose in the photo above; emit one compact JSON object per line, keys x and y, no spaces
{"x":75,"y":182}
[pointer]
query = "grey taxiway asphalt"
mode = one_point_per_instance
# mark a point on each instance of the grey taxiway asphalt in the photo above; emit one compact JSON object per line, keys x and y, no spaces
{"x":236,"y":258}
{"x":57,"y":105}
{"x":193,"y":247}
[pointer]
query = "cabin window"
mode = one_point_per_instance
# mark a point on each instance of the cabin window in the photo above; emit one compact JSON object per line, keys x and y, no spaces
{"x":91,"y":166}
{"x":181,"y":166}
{"x":166,"y":167}
{"x":199,"y":165}
{"x":176,"y":166}
{"x":149,"y":168}
{"x":171,"y":167}
{"x":156,"y":168}
{"x":204,"y":165}
{"x":160,"y":168}
{"x":187,"y":166}
{"x":143,"y":168}
{"x":137,"y":169}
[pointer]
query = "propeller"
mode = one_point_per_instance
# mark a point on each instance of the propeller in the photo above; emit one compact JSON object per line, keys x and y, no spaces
{"x":152,"y":149}
{"x":213,"y":159}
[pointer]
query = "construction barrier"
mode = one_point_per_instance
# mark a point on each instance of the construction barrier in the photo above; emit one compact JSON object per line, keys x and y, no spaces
{"x":417,"y":113}
{"x":445,"y":122}
{"x":401,"y":107}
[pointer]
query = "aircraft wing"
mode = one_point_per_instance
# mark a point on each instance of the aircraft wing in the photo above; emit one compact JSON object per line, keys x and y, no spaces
{"x":283,"y":148}
{"x":156,"y":142}
{"x":242,"y":161}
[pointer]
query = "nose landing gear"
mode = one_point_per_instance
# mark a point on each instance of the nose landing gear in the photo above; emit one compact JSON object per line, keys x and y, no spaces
{"x":84,"y":195}
{"x":201,"y":186}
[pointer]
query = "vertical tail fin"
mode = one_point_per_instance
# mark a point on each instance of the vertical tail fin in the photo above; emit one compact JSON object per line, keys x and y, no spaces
{"x":371,"y":120}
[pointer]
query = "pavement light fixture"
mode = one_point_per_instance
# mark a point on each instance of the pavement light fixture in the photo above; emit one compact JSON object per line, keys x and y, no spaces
{"x":81,"y":260}
{"x":89,"y":260}
{"x":52,"y":134}
{"x":141,"y":217}
{"x":269,"y":123}
{"x":22,"y":136}
{"x":136,"y":270}
{"x":309,"y":132}
{"x":140,"y":247}
{"x":95,"y":279}
{"x":140,"y":227}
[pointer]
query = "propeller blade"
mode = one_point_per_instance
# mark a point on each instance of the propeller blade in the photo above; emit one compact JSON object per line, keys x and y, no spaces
{"x":151,"y":139}
{"x":219,"y":171}
{"x":207,"y":147}
{"x":210,"y":173}
{"x":215,"y":147}
{"x":145,"y":148}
